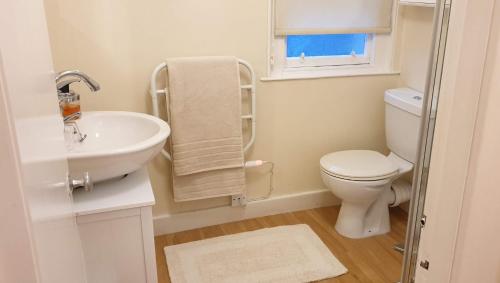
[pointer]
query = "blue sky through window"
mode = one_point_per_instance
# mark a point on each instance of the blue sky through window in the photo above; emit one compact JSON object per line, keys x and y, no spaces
{"x":325,"y":44}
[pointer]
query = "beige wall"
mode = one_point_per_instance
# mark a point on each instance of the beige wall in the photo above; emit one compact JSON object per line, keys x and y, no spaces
{"x":119,"y":42}
{"x":415,"y":44}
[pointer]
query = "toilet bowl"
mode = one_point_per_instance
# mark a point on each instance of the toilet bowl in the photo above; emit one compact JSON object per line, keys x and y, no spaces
{"x":362,"y":179}
{"x":367,"y":181}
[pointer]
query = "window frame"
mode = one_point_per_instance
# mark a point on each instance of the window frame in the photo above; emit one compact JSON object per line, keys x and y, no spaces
{"x":329,"y":61}
{"x":382,"y":47}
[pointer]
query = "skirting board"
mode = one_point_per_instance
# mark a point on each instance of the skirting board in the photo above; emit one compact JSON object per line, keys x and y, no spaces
{"x":171,"y":223}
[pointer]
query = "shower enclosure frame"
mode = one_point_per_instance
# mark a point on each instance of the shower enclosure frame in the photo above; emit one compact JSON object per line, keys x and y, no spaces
{"x":416,"y":217}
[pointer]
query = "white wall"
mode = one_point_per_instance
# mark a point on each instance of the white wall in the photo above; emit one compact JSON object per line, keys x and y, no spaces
{"x":467,"y":43}
{"x":477,"y":253}
{"x":17,"y":263}
{"x":38,"y":235}
{"x":120,"y":42}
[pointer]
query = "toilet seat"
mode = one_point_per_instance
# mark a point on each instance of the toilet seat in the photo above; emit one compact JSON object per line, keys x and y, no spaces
{"x":358,"y":165}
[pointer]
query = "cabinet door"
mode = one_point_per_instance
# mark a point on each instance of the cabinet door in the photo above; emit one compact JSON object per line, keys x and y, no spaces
{"x":113,"y":247}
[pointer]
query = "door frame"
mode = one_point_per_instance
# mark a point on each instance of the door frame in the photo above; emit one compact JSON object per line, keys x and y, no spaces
{"x":40,"y":240}
{"x":459,"y":93}
{"x":416,"y":218}
{"x":16,"y":250}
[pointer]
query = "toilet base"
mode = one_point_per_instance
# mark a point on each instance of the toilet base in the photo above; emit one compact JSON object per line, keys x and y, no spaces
{"x":361,"y":220}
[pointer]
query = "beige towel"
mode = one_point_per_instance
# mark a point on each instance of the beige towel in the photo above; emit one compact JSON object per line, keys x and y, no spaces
{"x":205,"y":114}
{"x":205,"y":117}
{"x":211,"y":184}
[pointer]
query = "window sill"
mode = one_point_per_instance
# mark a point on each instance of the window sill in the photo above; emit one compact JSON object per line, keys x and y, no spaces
{"x":328,"y":73}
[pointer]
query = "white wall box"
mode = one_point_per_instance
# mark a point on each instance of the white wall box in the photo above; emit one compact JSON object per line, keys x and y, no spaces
{"x":116,"y":229}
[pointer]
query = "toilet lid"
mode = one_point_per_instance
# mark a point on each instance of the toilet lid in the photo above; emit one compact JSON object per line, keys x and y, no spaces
{"x":364,"y":165}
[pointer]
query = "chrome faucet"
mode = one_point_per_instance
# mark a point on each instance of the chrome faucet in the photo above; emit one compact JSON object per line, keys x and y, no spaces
{"x":78,"y":76}
{"x":69,"y":101}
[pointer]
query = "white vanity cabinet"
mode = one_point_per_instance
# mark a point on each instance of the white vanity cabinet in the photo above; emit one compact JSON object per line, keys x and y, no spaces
{"x":424,"y":3}
{"x":116,"y":230}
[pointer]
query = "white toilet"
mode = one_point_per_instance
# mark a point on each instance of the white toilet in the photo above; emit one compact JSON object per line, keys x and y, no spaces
{"x":365,"y":180}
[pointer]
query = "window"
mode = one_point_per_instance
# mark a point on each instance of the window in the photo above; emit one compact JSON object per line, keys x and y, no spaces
{"x":325,"y":45}
{"x":316,"y":37}
{"x":327,"y":50}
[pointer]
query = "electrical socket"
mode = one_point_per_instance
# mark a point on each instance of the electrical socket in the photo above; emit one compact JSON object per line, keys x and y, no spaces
{"x":239,"y":200}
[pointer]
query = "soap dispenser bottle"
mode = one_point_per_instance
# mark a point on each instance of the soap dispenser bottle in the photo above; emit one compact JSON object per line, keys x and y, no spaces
{"x":69,"y":104}
{"x":69,"y":101}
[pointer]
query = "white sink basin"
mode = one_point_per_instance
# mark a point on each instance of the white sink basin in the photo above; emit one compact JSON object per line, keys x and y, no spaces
{"x":117,"y":143}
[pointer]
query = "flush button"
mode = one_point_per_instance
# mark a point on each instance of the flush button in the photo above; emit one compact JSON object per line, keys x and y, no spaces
{"x":416,"y":97}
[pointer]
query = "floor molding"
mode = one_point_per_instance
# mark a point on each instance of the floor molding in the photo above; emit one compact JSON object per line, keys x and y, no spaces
{"x":171,"y":223}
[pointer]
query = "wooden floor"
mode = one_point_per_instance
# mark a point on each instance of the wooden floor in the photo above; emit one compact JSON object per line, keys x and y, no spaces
{"x":368,"y":260}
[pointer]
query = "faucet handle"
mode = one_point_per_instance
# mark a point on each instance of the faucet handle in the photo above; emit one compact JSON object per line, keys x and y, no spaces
{"x":64,"y":85}
{"x":85,"y":183}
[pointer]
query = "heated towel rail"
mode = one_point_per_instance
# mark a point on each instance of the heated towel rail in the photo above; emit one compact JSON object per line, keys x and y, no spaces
{"x":250,"y":89}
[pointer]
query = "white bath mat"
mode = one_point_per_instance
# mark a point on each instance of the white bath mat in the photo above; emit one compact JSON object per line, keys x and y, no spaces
{"x":281,"y":254}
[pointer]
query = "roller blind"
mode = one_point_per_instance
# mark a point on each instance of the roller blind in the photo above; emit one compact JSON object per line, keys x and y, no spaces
{"x":332,"y":16}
